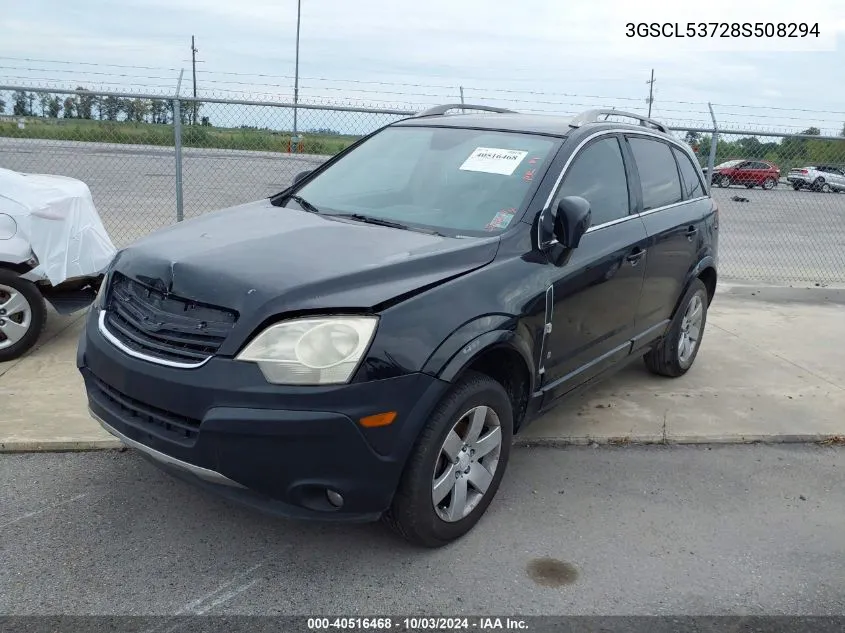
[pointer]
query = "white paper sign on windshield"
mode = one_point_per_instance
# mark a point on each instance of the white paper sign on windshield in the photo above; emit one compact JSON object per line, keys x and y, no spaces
{"x":494,"y":161}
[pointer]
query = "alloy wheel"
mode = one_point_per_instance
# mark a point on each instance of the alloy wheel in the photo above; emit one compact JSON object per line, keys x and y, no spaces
{"x":15,"y":316}
{"x":466,"y":463}
{"x":690,"y":329}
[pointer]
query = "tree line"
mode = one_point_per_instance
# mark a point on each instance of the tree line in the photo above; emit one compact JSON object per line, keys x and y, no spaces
{"x":786,"y":152}
{"x":86,"y":105}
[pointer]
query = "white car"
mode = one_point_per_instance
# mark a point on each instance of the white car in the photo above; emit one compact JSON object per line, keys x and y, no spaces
{"x":822,"y":178}
{"x":53,"y":248}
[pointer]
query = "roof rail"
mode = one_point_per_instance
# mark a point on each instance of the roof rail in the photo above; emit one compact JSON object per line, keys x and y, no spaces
{"x":443,"y":109}
{"x":591,"y":116}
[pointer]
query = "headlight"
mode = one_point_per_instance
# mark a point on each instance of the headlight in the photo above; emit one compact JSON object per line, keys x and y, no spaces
{"x":311,"y":351}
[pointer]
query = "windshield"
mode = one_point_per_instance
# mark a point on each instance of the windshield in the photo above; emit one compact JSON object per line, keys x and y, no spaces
{"x":730,"y":163}
{"x":454,"y":181}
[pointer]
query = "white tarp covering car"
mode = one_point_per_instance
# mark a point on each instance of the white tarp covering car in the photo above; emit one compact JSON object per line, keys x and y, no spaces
{"x":53,"y":246}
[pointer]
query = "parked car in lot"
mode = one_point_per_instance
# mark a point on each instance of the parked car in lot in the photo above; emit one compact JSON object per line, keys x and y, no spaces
{"x":53,"y":248}
{"x":749,"y":173}
{"x":367,"y":342}
{"x":823,"y":178}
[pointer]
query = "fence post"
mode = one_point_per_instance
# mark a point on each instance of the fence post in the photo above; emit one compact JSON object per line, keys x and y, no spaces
{"x":177,"y":143}
{"x":714,"y":140}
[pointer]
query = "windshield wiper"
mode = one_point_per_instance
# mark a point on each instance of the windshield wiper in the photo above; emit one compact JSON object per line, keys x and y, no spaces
{"x":302,"y":202}
{"x":368,"y":219}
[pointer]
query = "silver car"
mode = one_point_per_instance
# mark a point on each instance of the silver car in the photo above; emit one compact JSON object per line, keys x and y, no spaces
{"x":53,"y":249}
{"x":824,"y":178}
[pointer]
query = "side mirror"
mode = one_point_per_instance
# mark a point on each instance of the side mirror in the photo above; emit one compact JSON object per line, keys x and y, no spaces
{"x":301,"y":175}
{"x":572,"y":219}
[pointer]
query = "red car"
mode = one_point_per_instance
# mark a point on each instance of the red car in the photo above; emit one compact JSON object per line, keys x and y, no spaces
{"x":751,"y":173}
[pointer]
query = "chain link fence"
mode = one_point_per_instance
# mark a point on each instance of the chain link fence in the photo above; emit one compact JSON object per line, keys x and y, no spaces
{"x":152,"y":160}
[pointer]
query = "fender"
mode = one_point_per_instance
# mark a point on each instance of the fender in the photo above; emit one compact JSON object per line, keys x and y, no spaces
{"x":16,"y":251}
{"x":472,"y":339}
{"x":707,"y":261}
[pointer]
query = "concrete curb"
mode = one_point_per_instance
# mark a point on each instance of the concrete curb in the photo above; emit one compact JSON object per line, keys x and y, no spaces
{"x":646,"y":440}
{"x":58,"y":446}
{"x":81,"y":446}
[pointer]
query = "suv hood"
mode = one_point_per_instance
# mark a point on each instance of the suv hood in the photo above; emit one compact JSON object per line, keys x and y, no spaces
{"x":263,"y":260}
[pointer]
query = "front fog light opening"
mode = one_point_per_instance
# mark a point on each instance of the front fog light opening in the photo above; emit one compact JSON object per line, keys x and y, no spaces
{"x":335,"y":498}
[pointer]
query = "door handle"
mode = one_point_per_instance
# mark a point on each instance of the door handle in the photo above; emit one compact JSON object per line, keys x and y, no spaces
{"x":691,"y":231}
{"x":635,"y":256}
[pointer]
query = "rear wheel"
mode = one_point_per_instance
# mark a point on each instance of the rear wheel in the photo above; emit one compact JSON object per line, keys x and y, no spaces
{"x":23,"y":314}
{"x":675,"y":354}
{"x":724,"y":181}
{"x":456,"y":465}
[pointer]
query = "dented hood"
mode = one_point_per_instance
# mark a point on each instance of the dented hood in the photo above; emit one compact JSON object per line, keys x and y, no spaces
{"x":263,"y":260}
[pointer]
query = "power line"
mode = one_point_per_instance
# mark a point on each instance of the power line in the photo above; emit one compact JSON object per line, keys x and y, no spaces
{"x":57,"y":61}
{"x":727,"y":105}
{"x":87,"y":72}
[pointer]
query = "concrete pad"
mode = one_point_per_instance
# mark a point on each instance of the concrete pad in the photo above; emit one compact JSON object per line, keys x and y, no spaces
{"x":56,"y":324}
{"x":42,"y":399}
{"x":807,"y":335}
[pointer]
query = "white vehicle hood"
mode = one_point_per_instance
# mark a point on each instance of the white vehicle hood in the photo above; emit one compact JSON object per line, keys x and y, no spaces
{"x":56,"y":215}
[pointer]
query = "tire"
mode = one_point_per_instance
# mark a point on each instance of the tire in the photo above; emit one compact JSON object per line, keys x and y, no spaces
{"x":29,"y":311}
{"x":412,"y":513}
{"x":817,"y":184}
{"x":824,"y":188}
{"x":769,"y":183}
{"x":668,"y":358}
{"x":724,"y":181}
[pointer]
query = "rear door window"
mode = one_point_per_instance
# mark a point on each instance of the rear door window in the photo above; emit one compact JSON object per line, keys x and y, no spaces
{"x":659,"y":176}
{"x":692,"y":186}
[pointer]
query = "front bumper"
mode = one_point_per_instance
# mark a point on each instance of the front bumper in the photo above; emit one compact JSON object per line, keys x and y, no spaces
{"x":279,"y":449}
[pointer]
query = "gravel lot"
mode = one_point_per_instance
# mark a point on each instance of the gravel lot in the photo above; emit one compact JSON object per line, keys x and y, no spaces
{"x":777,"y":236}
{"x":629,"y":531}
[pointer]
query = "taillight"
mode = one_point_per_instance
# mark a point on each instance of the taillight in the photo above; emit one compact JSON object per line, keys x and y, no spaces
{"x":803,"y":171}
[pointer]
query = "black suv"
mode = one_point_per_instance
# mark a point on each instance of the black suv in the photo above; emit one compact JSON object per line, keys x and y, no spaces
{"x":367,"y":342}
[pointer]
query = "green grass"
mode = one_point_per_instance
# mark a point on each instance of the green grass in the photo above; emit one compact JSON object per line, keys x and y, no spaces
{"x":162,"y":135}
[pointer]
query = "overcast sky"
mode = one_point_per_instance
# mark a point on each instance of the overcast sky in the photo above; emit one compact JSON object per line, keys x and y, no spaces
{"x":573,"y":55}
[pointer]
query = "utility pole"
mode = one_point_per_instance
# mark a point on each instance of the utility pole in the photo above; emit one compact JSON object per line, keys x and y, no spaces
{"x":650,"y":83}
{"x":296,"y":72}
{"x":194,"y":52}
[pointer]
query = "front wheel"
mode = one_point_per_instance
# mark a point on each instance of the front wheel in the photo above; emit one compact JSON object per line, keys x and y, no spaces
{"x":825,"y":188}
{"x":769,"y":183}
{"x":456,"y":465}
{"x":675,"y":354}
{"x":23,"y":314}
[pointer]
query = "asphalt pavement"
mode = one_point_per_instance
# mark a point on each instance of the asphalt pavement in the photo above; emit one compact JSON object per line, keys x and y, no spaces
{"x":774,"y":236}
{"x":582,"y":531}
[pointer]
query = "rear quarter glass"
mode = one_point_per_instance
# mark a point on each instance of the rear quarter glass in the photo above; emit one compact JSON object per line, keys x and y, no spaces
{"x":460,"y":182}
